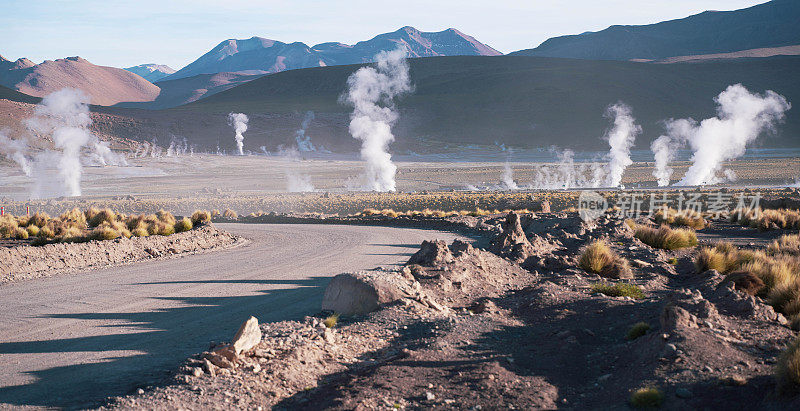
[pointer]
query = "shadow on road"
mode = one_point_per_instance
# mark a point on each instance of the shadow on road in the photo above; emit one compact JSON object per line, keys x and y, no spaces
{"x":164,"y":340}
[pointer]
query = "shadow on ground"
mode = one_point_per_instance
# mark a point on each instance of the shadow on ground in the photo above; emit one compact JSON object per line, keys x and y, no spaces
{"x":167,"y":337}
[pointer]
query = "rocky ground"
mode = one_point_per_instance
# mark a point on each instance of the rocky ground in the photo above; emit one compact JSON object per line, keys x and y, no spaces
{"x":22,"y":262}
{"x":513,"y":326}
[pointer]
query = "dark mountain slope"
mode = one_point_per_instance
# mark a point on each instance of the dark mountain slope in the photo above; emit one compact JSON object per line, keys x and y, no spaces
{"x":772,"y":24}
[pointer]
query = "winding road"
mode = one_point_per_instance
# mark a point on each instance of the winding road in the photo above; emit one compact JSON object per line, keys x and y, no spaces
{"x":72,"y":340}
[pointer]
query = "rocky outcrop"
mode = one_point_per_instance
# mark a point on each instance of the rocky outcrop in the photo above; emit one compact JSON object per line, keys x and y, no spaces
{"x":432,"y":253}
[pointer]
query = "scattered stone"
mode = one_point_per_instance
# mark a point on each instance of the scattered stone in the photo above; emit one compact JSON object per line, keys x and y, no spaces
{"x":733,"y":380}
{"x":683,"y":393}
{"x":429,"y":396}
{"x":248,"y":336}
{"x":640,"y":263}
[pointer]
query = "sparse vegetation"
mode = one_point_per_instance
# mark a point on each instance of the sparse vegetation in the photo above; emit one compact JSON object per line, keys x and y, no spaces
{"x":201,"y":217}
{"x":684,"y":218}
{"x":331,"y":320}
{"x":93,"y":224}
{"x":598,"y":258}
{"x":787,"y":370}
{"x":778,"y":271}
{"x":230,"y":214}
{"x":618,"y":290}
{"x":637,"y":330}
{"x":768,"y":219}
{"x":665,"y":237}
{"x":648,"y":397}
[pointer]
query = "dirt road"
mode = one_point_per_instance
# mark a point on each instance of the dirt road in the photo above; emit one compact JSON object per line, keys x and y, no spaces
{"x":70,"y":341}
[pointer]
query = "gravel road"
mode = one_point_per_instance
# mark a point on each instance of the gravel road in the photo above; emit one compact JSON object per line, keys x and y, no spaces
{"x":72,"y":340}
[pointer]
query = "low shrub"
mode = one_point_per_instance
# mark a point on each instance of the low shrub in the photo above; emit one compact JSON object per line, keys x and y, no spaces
{"x":638,"y":330}
{"x":140,"y":232}
{"x":618,"y":290}
{"x":230,"y":214}
{"x":33,"y":230}
{"x":648,"y":397}
{"x":598,"y":258}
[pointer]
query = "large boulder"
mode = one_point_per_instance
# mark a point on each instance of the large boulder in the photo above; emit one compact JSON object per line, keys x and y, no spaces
{"x":362,"y":292}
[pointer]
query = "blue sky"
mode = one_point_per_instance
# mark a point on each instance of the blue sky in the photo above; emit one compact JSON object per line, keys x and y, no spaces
{"x":175,"y":32}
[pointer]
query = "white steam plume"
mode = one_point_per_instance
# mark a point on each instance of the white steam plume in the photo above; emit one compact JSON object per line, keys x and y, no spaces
{"x":620,"y":137}
{"x":567,"y":174}
{"x":298,"y":183}
{"x":304,"y":141}
{"x":741,"y":117}
{"x":63,"y":114}
{"x":371,"y":91}
{"x":15,"y":150}
{"x":239,"y":123}
{"x":508,"y":183}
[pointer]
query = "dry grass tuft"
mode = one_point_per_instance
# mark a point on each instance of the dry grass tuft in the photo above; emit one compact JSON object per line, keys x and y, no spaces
{"x":638,"y":330}
{"x":618,"y":290}
{"x":769,"y":219}
{"x":787,"y":370}
{"x":684,"y":218}
{"x":184,"y":224}
{"x":598,"y":258}
{"x":648,"y":397}
{"x":331,"y":320}
{"x":230,"y":214}
{"x":666,"y":238}
{"x":201,"y":217}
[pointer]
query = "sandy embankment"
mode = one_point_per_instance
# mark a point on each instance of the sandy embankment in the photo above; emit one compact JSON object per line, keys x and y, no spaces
{"x":26,"y":262}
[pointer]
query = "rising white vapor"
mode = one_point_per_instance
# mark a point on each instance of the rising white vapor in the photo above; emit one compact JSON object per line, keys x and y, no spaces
{"x":303,"y":141}
{"x":567,"y":174}
{"x":507,"y":182}
{"x":620,"y":137}
{"x":64,"y":115}
{"x":15,"y":150}
{"x":741,"y":117}
{"x":371,"y":91}
{"x":239,"y":123}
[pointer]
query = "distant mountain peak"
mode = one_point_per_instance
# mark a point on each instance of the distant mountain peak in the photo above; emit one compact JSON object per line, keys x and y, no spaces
{"x":151,"y":72}
{"x":262,"y":55}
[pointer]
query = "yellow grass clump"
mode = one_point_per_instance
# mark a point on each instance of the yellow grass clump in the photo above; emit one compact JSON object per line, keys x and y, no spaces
{"x":598,"y":258}
{"x":684,"y":218}
{"x":665,"y":237}
{"x":787,"y":370}
{"x":201,"y":217}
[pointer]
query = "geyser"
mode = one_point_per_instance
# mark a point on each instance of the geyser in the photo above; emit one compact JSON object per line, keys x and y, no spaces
{"x":620,"y":137}
{"x":15,"y":151}
{"x":304,"y":141}
{"x":741,"y":117}
{"x":239,"y":123}
{"x":371,"y":91}
{"x":63,"y":114}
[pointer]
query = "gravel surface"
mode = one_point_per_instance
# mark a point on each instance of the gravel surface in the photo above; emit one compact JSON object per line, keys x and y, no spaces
{"x":70,"y":341}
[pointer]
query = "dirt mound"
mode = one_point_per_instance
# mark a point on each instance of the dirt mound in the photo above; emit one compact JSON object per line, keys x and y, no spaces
{"x":26,"y":262}
{"x":500,"y":336}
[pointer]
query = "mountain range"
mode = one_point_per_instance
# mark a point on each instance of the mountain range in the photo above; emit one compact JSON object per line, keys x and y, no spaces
{"x":104,"y":85}
{"x":258,"y":55}
{"x":477,"y":100}
{"x":768,"y":25}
